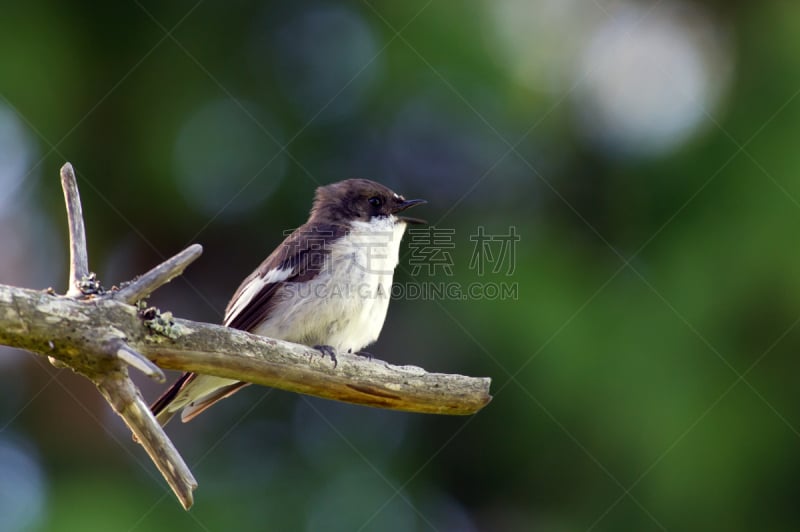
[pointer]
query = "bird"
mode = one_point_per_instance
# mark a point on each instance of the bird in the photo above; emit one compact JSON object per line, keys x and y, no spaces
{"x":327,"y":285}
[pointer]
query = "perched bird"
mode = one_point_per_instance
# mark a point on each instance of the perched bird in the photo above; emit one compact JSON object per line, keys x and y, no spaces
{"x":327,"y":285}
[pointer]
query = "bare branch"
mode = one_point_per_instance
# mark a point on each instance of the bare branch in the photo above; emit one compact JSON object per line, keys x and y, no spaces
{"x":78,"y":256}
{"x":220,"y":351}
{"x":136,"y":360}
{"x":146,"y":284}
{"x":126,"y":401}
{"x":35,"y":320}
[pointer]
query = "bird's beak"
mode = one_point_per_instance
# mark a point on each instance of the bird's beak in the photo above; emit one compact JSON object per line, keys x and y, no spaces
{"x":406,"y":204}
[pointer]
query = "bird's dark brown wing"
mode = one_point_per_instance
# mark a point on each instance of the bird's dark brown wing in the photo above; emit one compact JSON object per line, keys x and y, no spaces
{"x":300,"y":257}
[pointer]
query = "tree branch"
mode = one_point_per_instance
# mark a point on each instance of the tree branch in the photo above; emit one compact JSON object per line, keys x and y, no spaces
{"x":75,"y":331}
{"x":78,"y":255}
{"x":216,"y":350}
{"x":100,"y":334}
{"x":125,"y":399}
{"x":137,"y":360}
{"x":148,"y":283}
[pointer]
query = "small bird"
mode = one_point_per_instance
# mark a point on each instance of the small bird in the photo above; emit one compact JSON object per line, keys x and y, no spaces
{"x":327,"y":285}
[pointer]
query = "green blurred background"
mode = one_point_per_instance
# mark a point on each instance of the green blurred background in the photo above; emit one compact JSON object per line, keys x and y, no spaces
{"x":644,"y":152}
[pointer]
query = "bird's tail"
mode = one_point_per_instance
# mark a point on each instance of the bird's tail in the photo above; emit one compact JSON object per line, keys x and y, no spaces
{"x":163,"y":407}
{"x":194,"y":394}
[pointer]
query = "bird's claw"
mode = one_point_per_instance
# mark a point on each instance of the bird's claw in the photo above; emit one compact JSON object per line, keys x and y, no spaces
{"x":365,"y":354}
{"x":328,"y":350}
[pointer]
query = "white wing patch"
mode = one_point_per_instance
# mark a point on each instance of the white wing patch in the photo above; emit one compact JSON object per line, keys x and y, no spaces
{"x":254,"y":287}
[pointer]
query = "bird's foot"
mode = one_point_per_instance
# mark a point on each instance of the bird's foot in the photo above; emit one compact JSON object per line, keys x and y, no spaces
{"x":365,"y":354}
{"x":328,"y":350}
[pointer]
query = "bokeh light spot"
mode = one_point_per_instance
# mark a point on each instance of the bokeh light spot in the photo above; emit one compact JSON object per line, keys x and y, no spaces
{"x":15,"y":155}
{"x":377,"y":432}
{"x":22,"y":487}
{"x":648,"y":81}
{"x":327,"y":61}
{"x":225,"y":162}
{"x":361,"y":501}
{"x":528,"y":39}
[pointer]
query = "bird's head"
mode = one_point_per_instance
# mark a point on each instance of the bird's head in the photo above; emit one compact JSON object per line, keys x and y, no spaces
{"x":360,"y":200}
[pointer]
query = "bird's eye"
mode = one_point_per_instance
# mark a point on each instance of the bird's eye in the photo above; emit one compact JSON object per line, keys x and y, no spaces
{"x":375,"y":201}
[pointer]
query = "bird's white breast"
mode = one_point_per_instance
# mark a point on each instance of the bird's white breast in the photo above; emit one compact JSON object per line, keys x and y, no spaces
{"x":345,"y":305}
